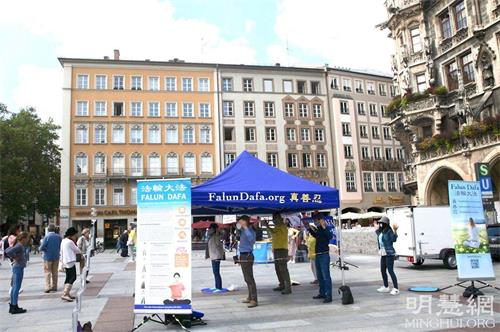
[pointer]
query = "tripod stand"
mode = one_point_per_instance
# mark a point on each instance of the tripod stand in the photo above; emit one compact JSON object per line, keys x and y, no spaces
{"x":182,"y":321}
{"x":471,"y":290}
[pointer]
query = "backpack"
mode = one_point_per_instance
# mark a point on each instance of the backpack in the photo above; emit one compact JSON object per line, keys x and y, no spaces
{"x":346,"y":295}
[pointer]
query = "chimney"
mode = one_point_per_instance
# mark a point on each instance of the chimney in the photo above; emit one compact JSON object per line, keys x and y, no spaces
{"x":277,"y":64}
{"x":106,"y":57}
{"x":116,"y":54}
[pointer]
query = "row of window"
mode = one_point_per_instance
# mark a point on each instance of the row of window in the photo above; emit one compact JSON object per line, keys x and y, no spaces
{"x":136,"y":134}
{"x":363,"y":131}
{"x":377,"y":153}
{"x":228,"y":109}
{"x":136,"y":83}
{"x":308,"y":160}
{"x":136,"y":109}
{"x":137,"y":164}
{"x":100,"y":197}
{"x":360,"y":106}
{"x":383,"y":182}
{"x":268,"y":85}
{"x":360,"y":86}
{"x":306,"y":134}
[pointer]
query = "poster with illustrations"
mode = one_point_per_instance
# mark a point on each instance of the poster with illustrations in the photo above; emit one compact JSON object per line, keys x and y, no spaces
{"x":469,"y":231}
{"x":163,"y":260}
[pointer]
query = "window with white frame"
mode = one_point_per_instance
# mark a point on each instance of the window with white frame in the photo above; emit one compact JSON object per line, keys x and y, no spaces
{"x":305,"y":134}
{"x":170,"y":83}
{"x":383,"y":111}
{"x":315,"y":87}
{"x":289,"y":112}
{"x":348,"y":151}
{"x":268,"y":85}
{"x":81,"y":196}
{"x":370,"y":88}
{"x":154,"y":164}
{"x":100,"y":134}
{"x":269,"y":109}
{"x":376,"y":153}
{"x":118,"y":135}
{"x":373,"y":109}
{"x":365,"y":153}
{"x":118,"y":163}
{"x":391,"y":182}
{"x":136,"y":164}
{"x":100,"y":108}
{"x":136,"y":108}
{"x":421,"y":82}
{"x":347,"y":85}
{"x":291,"y":134}
{"x":188,"y":135}
{"x":306,"y":160}
{"x":189,"y":163}
{"x":204,"y":110}
{"x":154,"y":109}
{"x":461,"y":15}
{"x":229,"y":158}
{"x":350,"y":181}
{"x":227,"y":84}
{"x":100,"y":82}
{"x":247,"y":84}
{"x":154,"y":134}
{"x":320,"y":160}
{"x":82,"y":82}
{"x":388,"y":153}
{"x":400,"y":154}
{"x":187,"y":84}
{"x":375,"y":132}
{"x":118,"y":108}
{"x":379,"y":182}
{"x":387,"y":133}
{"x":416,"y":43}
{"x":346,"y":129}
{"x":359,"y":86}
{"x":292,"y":160}
{"x":187,"y":110}
{"x":467,"y":63}
{"x":272,"y":159}
{"x":154,"y":83}
{"x":303,"y":110}
{"x":317,"y":111}
{"x":118,"y":82}
{"x":335,"y":83}
{"x":250,"y":134}
{"x":136,"y":83}
{"x":171,"y":110}
{"x":270,"y":134}
{"x":133,"y":195}
{"x":249,"y":108}
{"x":363,"y":131}
{"x":367,"y":182}
{"x":82,"y":134}
{"x":81,"y":164}
{"x":99,"y":196}
{"x":203,"y":84}
{"x":381,"y":89}
{"x":228,"y":108}
{"x":82,"y":108}
{"x":172,"y":163}
{"x":361,"y":108}
{"x":401,"y":181}
{"x":136,"y":134}
{"x":99,"y":163}
{"x":206,"y":163}
{"x":301,"y":87}
{"x":319,"y":134}
{"x":205,"y":135}
{"x":172,"y":136}
{"x":287,"y":86}
{"x":344,"y":107}
{"x":118,"y":196}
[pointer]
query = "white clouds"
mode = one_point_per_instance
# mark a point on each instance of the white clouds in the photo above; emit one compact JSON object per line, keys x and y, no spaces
{"x":343,"y":32}
{"x":249,"y":26}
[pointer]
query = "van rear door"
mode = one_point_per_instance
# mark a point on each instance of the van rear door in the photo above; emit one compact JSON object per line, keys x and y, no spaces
{"x":402,"y":216}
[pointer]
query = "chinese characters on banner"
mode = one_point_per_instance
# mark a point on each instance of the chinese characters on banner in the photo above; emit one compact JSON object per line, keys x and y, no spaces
{"x":469,"y":231}
{"x":163,"y":263}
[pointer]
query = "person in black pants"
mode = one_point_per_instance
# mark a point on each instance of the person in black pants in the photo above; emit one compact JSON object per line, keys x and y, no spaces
{"x":386,"y":237}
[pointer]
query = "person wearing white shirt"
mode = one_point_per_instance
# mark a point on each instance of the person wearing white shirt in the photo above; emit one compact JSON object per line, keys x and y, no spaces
{"x":69,"y":256}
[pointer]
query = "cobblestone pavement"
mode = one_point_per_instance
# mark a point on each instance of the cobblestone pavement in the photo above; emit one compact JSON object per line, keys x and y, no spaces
{"x":107,"y":301}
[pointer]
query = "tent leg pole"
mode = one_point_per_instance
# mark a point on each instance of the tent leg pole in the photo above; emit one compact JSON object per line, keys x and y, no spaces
{"x":341,"y":252}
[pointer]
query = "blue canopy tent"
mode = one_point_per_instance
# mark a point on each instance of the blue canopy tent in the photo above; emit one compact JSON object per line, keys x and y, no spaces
{"x":250,"y":186}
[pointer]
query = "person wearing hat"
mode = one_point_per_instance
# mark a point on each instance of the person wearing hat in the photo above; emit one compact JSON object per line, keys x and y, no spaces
{"x":69,"y":252}
{"x":386,"y":237}
{"x":323,"y":236}
{"x":247,"y":240}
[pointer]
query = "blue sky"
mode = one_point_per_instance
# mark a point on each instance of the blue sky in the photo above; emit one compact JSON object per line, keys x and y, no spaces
{"x":34,"y":33}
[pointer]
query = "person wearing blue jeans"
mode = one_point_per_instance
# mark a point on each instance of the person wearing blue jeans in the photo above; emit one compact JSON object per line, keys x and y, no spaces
{"x":18,"y":255}
{"x":386,"y":237}
{"x":323,"y":237}
{"x":215,"y":252}
{"x":216,"y":272}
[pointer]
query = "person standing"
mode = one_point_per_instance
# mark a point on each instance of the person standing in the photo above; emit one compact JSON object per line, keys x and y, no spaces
{"x":50,"y":248}
{"x":386,"y":237}
{"x":322,"y":260}
{"x":69,"y":252}
{"x":215,"y":252}
{"x":83,"y":244}
{"x":292,"y":242}
{"x":17,"y":254}
{"x":132,"y":235}
{"x":123,"y":243}
{"x":311,"y":254}
{"x":246,"y":259}
{"x":279,"y":236}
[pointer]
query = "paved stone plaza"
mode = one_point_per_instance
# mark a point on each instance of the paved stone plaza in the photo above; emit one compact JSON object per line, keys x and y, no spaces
{"x":108,"y":299}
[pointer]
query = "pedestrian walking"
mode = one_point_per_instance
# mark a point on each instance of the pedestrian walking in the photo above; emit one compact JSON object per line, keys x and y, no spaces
{"x":17,"y":253}
{"x":50,"y":248}
{"x":132,"y":236}
{"x":311,"y":254}
{"x":83,"y":244}
{"x":246,"y":259}
{"x":123,"y":244}
{"x":386,"y":238}
{"x":215,"y":252}
{"x":279,"y":237}
{"x":322,"y":260}
{"x":70,"y":255}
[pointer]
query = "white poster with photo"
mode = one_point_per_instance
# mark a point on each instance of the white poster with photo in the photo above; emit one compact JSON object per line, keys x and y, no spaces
{"x":163,"y":260}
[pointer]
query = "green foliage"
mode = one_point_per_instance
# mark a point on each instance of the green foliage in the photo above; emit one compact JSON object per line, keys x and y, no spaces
{"x":29,"y":164}
{"x":400,"y":102}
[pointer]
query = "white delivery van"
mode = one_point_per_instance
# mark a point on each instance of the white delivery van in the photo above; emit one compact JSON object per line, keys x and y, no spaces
{"x":424,"y":233}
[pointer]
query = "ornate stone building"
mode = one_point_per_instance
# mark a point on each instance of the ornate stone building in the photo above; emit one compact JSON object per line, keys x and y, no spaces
{"x":447,"y":69}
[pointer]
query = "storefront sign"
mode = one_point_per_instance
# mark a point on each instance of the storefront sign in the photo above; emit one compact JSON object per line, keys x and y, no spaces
{"x":469,"y":231}
{"x":389,"y":199}
{"x":163,"y":247}
{"x":114,"y":212}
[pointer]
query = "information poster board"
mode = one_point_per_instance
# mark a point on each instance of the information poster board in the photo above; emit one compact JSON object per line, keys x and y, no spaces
{"x":469,"y":231}
{"x":163,"y":254}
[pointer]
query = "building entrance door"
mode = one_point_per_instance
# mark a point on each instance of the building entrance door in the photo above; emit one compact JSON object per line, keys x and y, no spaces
{"x":113,"y":229}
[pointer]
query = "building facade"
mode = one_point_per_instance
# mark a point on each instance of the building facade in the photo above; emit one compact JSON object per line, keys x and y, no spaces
{"x":447,"y":67}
